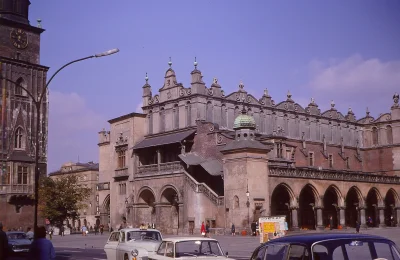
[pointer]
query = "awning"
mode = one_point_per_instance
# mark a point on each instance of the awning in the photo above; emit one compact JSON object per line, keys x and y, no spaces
{"x":164,"y":139}
{"x":213,"y":167}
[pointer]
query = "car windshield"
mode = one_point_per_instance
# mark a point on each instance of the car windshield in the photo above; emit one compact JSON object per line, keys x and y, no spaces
{"x":197,"y":248}
{"x":143,"y":235}
{"x":349,"y":249}
{"x":14,"y":236}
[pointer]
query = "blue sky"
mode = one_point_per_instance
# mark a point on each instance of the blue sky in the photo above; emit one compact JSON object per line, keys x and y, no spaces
{"x":342,"y":50}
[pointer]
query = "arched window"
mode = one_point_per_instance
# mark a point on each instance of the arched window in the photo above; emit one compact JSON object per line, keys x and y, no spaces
{"x":209,"y":112}
{"x":223,"y":116}
{"x":176,"y":116}
{"x":18,"y":90}
{"x":162,"y":120}
{"x":150,"y":118}
{"x":18,"y":138}
{"x":389,"y":134}
{"x":235,"y":202}
{"x":188,"y":114}
{"x":374,"y":136}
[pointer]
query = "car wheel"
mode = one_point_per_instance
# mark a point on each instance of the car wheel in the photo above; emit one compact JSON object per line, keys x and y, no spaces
{"x":126,"y":257}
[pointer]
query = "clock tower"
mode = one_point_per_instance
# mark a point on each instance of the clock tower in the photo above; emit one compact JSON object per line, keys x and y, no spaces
{"x":20,"y":66}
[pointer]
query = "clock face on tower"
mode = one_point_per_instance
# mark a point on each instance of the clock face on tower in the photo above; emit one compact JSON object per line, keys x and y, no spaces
{"x":19,"y":38}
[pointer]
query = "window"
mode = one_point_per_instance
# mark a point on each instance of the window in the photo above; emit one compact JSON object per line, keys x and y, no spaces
{"x":259,"y":253}
{"x":8,"y":175}
{"x":279,"y":150}
{"x":176,"y":116}
{"x":150,"y":118}
{"x":114,"y":237}
{"x":22,"y":175}
{"x":276,"y":251}
{"x":223,"y":116}
{"x":311,"y":158}
{"x":18,"y":90}
{"x":18,"y":138}
{"x":169,"y":250}
{"x":161,"y":249}
{"x":121,"y":159}
{"x":188,"y":114}
{"x":235,"y":202}
{"x":209,"y":112}
{"x":348,"y":163}
{"x":162,"y":120}
{"x":97,"y":198}
{"x":389,"y":134}
{"x":298,"y":252}
{"x":374,"y":136}
{"x":122,"y":189}
{"x":330,"y":158}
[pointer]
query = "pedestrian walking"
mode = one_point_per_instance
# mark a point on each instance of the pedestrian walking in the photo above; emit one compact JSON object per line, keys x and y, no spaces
{"x":203,"y":229}
{"x":41,"y":248}
{"x":208,"y":229}
{"x":233,"y":230}
{"x":96,"y":230}
{"x":3,"y":243}
{"x":51,"y":232}
{"x":101,"y":229}
{"x":357,"y":227}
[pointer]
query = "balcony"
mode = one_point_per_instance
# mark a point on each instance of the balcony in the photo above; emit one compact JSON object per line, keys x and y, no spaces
{"x":162,"y":168}
{"x":123,"y":172}
{"x":16,"y":189}
{"x":103,"y":186}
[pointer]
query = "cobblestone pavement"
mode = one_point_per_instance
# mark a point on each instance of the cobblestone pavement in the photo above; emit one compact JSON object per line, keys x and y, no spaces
{"x":239,"y":247}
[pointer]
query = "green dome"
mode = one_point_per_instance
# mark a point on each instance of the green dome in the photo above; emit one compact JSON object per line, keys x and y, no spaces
{"x":244,"y":121}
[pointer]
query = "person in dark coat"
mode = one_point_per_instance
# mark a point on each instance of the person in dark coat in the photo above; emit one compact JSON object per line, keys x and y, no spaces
{"x":3,"y":243}
{"x":357,"y":227}
{"x":331,"y":222}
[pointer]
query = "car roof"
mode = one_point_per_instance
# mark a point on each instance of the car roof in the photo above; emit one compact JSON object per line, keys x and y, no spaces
{"x":139,"y":229}
{"x":180,"y":239}
{"x":312,"y":238}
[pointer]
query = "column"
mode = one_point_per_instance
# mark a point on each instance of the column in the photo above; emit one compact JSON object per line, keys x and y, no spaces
{"x":295,"y":222}
{"x":397,"y":217}
{"x":158,"y":159}
{"x":382,"y":217}
{"x":362,"y":217}
{"x":181,"y":224}
{"x":320,"y":224}
{"x":342,"y":215}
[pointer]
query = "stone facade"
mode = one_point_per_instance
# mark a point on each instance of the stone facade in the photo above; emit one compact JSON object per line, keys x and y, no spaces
{"x":88,"y":174}
{"x":192,"y":162}
{"x":20,"y":66}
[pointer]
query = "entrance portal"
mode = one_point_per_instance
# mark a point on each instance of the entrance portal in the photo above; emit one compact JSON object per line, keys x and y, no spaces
{"x":331,"y":208}
{"x":372,"y":215}
{"x":390,"y":212}
{"x":352,"y":205}
{"x":280,"y":203}
{"x":306,"y":209}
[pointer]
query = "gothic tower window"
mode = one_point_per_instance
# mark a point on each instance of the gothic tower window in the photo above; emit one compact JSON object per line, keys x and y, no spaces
{"x":374,"y":136}
{"x":188,"y":114}
{"x":279,"y":150}
{"x":18,"y":138}
{"x":176,"y":116}
{"x":223,"y":116}
{"x":389,"y":134}
{"x":121,"y":159}
{"x":311,"y":158}
{"x":235,"y":202}
{"x":162,"y":120}
{"x":18,"y":90}
{"x":262,"y":121}
{"x":150,"y":118}
{"x":209,"y":112}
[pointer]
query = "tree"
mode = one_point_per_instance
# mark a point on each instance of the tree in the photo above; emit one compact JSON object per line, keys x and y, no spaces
{"x":61,"y":198}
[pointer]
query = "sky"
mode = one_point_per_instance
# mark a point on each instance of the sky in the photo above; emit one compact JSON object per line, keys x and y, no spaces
{"x":346,"y":51}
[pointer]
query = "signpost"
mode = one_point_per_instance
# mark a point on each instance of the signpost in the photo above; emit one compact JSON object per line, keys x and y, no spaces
{"x":272,"y":227}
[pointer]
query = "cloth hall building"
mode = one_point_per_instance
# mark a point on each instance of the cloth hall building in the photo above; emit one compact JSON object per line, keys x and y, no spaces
{"x":199,"y":154}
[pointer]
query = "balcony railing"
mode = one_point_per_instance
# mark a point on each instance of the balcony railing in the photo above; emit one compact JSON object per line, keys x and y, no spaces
{"x":121,"y":172}
{"x":16,"y":189}
{"x":164,"y":167}
{"x":103,"y":186}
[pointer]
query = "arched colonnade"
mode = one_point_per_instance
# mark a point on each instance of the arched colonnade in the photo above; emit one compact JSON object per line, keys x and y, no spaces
{"x":309,"y":209}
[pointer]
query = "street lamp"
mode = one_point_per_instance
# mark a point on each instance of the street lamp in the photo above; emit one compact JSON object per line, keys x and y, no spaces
{"x":248,"y":204}
{"x":37,"y":102}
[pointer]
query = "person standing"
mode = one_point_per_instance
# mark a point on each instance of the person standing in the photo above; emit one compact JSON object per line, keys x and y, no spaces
{"x":3,"y":243}
{"x":41,"y":248}
{"x":331,"y":222}
{"x":233,"y":230}
{"x":208,"y":229}
{"x":29,"y":234}
{"x":203,"y":229}
{"x":357,"y":227}
{"x":101,"y":229}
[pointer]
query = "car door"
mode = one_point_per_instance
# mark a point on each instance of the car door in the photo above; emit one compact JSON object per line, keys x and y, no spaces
{"x":121,"y":247}
{"x":111,"y":246}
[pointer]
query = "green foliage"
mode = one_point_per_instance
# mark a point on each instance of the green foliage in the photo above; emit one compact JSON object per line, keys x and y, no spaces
{"x":61,"y":198}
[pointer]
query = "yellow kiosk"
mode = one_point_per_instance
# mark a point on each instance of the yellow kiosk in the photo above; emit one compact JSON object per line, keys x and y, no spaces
{"x":272,"y":227}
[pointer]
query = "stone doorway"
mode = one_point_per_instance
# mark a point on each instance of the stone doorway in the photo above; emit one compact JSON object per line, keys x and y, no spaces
{"x":307,"y":208}
{"x":352,"y":207}
{"x":146,"y":212}
{"x":280,"y":203}
{"x":331,"y":208}
{"x":170,"y":210}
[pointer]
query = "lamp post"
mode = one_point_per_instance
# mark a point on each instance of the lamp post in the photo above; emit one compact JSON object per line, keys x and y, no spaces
{"x":248,"y":205}
{"x":37,"y":102}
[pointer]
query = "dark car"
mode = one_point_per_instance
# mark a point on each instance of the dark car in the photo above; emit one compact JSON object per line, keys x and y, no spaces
{"x":327,"y":246}
{"x":18,"y":242}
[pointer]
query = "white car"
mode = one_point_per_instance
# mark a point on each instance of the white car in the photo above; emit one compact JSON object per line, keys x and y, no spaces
{"x":189,"y":248}
{"x":132,"y":243}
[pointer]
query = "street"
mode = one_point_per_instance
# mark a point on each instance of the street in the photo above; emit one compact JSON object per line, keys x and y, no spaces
{"x":91,"y":247}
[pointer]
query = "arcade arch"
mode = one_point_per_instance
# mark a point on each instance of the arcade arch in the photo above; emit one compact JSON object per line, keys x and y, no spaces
{"x":308,"y":200}
{"x":391,"y":200}
{"x":281,"y":201}
{"x":146,"y":212}
{"x":373,"y":201}
{"x":170,"y":209}
{"x":332,"y":202}
{"x":353,"y":203}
